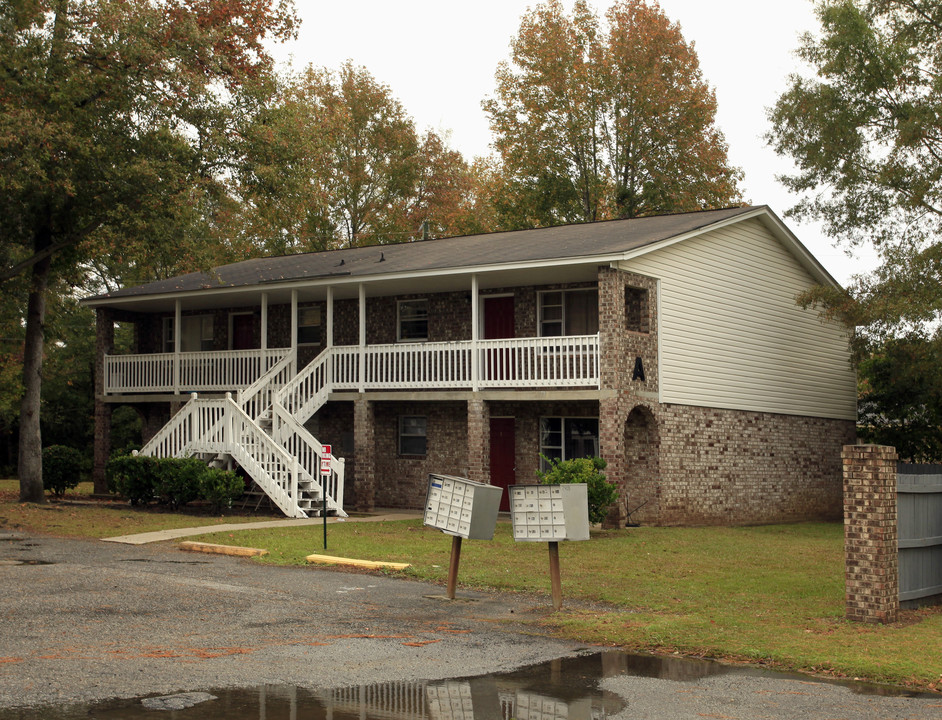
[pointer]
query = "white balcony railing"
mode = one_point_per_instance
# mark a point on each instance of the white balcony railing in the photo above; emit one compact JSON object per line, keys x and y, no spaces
{"x":223,"y":371}
{"x":511,"y":363}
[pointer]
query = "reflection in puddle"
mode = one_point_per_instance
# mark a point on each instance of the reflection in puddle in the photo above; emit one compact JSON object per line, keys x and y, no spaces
{"x":563,"y":689}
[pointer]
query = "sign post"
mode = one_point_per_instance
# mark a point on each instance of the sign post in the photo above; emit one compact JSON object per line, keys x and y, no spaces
{"x":325,"y":476}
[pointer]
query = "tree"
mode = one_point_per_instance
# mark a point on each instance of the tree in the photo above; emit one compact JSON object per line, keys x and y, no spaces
{"x":866,"y":137}
{"x":865,"y":134}
{"x":340,"y":164}
{"x":596,"y":122}
{"x":114,"y":137}
{"x":901,"y":397}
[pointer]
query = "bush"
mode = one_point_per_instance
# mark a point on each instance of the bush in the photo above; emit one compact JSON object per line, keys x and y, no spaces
{"x":133,"y":476}
{"x":62,"y":468}
{"x":174,"y":481}
{"x":602,"y":494}
{"x":178,"y":480}
{"x":220,"y":487}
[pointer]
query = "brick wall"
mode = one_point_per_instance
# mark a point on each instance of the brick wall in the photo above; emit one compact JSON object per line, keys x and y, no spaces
{"x":728,"y":467}
{"x":402,"y":480}
{"x":871,"y":547}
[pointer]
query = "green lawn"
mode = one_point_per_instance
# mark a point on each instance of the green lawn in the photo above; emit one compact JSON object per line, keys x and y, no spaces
{"x":771,"y":594}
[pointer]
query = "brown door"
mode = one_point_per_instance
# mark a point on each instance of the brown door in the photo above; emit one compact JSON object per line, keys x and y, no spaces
{"x":498,"y":324}
{"x":243,"y":336}
{"x":503,"y":457}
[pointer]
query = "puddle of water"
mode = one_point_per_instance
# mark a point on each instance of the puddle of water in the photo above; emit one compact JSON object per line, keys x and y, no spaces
{"x":563,"y":689}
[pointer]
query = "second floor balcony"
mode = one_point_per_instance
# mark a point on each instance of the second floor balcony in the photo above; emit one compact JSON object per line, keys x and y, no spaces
{"x":511,"y":363}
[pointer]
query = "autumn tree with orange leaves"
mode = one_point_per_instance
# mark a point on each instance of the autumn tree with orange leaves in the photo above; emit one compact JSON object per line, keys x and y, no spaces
{"x":118,"y":136}
{"x":600,"y":120}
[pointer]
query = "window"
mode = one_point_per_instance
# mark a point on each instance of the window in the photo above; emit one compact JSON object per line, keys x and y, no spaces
{"x":637,"y":318}
{"x":413,"y":320}
{"x":568,"y":438}
{"x":569,"y":312}
{"x":309,"y":326}
{"x":197,"y":334}
{"x":412,"y":435}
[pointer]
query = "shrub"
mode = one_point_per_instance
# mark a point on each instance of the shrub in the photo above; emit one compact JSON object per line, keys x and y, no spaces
{"x":220,"y":487}
{"x":62,"y":468}
{"x":175,"y":481}
{"x":178,"y":480}
{"x":601,"y":493}
{"x":133,"y":476}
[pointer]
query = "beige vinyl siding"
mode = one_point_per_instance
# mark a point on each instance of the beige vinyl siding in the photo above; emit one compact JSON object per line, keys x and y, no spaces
{"x":731,"y":335}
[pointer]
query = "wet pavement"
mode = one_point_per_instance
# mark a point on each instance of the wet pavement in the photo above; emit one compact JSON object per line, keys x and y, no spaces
{"x":596,"y":686}
{"x":98,"y":630}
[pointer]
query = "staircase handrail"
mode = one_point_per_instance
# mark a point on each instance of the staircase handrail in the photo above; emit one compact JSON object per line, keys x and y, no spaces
{"x":303,"y":394}
{"x":265,"y":383}
{"x":309,"y":455}
{"x":183,"y":415}
{"x":285,"y":497}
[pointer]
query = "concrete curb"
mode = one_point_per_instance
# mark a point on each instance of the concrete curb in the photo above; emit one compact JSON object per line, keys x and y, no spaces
{"x":191,"y":546}
{"x":368,"y":564}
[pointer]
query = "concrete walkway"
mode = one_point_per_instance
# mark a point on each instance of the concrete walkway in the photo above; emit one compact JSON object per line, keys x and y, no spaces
{"x":161,"y":535}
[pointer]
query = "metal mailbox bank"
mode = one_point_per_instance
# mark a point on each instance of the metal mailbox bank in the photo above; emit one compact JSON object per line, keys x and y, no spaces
{"x":550,"y":513}
{"x":462,"y":507}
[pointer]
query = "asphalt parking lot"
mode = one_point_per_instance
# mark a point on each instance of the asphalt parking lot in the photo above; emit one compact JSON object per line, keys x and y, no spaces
{"x":84,"y":621}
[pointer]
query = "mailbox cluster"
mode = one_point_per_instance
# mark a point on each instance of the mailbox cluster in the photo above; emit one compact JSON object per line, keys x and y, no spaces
{"x":539,"y":513}
{"x":549,"y":513}
{"x":462,"y":507}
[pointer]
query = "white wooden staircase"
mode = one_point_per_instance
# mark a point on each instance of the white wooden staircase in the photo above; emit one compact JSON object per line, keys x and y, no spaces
{"x":259,"y":432}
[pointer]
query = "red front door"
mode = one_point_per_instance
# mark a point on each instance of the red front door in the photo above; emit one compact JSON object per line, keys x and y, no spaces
{"x":243,"y":335}
{"x":498,"y":324}
{"x":503,"y":457}
{"x":498,"y":317}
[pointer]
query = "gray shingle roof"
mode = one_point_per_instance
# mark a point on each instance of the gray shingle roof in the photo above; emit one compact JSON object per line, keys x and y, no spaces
{"x":470,"y":251}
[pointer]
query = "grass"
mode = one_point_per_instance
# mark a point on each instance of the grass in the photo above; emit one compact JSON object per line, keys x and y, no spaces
{"x":97,"y":520}
{"x":772,"y":595}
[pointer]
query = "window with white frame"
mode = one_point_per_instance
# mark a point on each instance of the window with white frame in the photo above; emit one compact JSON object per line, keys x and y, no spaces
{"x":567,"y":438}
{"x":309,"y":326}
{"x":412,"y":320}
{"x":569,"y":312}
{"x":197,"y":333}
{"x":413,"y":439}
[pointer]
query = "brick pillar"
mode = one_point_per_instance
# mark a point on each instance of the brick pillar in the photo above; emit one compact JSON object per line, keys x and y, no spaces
{"x":479,"y":440}
{"x":364,"y":452}
{"x":871,"y":547}
{"x":104,"y":344}
{"x":612,"y":448}
{"x":611,"y":374}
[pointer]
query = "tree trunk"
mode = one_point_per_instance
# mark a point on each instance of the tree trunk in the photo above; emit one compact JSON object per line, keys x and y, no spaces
{"x":30,"y":468}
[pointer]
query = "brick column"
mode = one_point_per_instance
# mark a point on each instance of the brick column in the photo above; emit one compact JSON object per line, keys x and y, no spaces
{"x":104,"y":344}
{"x":479,"y":440}
{"x":364,"y":453}
{"x":871,"y":547}
{"x":612,"y":378}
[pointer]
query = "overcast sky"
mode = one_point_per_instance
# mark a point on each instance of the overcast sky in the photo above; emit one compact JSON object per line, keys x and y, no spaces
{"x":438,"y":57}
